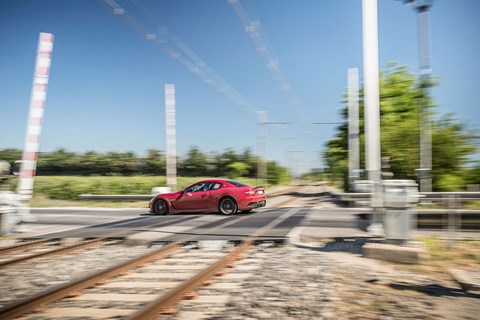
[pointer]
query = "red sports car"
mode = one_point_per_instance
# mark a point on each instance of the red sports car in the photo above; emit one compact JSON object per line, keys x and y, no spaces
{"x":216,"y":195}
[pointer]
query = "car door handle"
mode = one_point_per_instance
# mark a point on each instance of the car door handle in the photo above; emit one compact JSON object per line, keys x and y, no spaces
{"x":204,"y":195}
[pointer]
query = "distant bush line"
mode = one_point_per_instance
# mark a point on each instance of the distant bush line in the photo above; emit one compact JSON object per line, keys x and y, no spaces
{"x":129,"y":173}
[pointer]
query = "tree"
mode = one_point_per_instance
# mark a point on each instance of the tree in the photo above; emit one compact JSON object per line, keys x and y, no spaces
{"x":237,"y":169}
{"x":251,"y":160}
{"x":58,"y":162}
{"x":400,"y":92}
{"x":221,"y":161}
{"x":195,"y":164}
{"x":154,"y":163}
{"x":10,"y":155}
{"x":277,"y":174}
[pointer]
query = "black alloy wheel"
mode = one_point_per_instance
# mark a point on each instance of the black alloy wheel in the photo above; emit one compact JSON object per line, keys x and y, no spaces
{"x":228,"y":206}
{"x":161,"y":207}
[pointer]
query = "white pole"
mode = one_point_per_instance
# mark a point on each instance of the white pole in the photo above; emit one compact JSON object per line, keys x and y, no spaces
{"x":34,"y":124}
{"x":353,"y":125}
{"x":371,"y":79}
{"x":171,"y":130}
{"x":372,"y":110}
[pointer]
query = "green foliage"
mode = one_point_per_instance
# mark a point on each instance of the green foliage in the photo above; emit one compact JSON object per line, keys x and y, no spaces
{"x":195,"y":163}
{"x":62,"y":162}
{"x":70,"y":187}
{"x":91,"y":163}
{"x":63,"y":175}
{"x":10,"y":155}
{"x":237,"y":169}
{"x":400,"y":96}
{"x":450,"y":182}
{"x":277,"y":174}
{"x":472,"y":174}
{"x":451,"y":155}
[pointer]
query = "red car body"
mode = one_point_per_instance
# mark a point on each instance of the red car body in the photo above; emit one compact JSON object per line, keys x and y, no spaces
{"x":215,"y":195}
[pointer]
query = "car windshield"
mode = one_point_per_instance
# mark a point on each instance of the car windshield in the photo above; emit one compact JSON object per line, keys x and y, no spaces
{"x":238,"y":184}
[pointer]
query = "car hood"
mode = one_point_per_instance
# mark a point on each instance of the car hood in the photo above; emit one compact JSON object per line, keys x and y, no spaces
{"x":169,"y":196}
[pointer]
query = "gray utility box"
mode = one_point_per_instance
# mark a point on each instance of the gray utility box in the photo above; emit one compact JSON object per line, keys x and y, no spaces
{"x":400,"y":193}
{"x":399,"y":196}
{"x":397,"y":224}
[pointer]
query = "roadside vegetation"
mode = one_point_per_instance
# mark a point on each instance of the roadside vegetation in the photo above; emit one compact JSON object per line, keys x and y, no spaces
{"x":62,"y":175}
{"x":444,"y":254}
{"x":453,"y":143}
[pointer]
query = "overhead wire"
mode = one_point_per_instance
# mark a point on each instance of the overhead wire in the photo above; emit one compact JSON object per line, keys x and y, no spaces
{"x":259,"y":39}
{"x":177,"y":50}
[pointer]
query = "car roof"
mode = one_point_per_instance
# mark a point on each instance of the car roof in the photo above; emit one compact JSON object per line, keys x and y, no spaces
{"x":215,"y":180}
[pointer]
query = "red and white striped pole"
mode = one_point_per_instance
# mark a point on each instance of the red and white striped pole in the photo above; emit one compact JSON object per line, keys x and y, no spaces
{"x":171,"y":135}
{"x":35,"y":119}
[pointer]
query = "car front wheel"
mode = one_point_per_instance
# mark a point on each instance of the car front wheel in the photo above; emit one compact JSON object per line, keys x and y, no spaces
{"x":228,"y":206}
{"x":161,"y":207}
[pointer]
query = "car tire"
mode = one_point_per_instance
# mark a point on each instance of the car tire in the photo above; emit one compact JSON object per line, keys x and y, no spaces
{"x":160,"y":207}
{"x":228,"y":206}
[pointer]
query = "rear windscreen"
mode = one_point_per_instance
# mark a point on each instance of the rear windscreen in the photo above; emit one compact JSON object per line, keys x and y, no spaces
{"x":236,"y":183}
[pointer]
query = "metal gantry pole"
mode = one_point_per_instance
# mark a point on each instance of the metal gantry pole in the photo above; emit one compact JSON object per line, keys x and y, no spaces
{"x":424,"y":173}
{"x":425,"y":73}
{"x":261,"y":147}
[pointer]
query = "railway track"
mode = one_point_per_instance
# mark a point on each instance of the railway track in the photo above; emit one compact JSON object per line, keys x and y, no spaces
{"x":21,"y":253}
{"x":136,"y":290}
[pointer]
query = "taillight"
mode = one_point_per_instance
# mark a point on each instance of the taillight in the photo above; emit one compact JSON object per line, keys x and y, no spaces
{"x":251,"y":192}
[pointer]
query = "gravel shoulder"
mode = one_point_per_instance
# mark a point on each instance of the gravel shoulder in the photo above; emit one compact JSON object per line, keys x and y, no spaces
{"x":291,"y":282}
{"x":307,"y":283}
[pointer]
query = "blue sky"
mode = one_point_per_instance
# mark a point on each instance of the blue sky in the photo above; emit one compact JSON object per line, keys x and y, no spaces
{"x":106,"y":90}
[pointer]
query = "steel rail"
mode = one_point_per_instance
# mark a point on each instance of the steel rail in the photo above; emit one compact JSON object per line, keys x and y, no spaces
{"x":51,"y":252}
{"x":169,"y":299}
{"x":25,"y":245}
{"x":177,"y":294}
{"x":25,"y":305}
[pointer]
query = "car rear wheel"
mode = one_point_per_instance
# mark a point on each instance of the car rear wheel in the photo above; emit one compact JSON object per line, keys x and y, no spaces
{"x":161,"y":207}
{"x":228,"y":206}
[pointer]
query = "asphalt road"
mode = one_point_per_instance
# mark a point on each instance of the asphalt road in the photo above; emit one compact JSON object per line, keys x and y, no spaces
{"x":138,"y":224}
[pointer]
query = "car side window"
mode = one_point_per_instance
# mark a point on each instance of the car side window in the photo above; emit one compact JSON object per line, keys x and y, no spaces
{"x":206,"y":186}
{"x":203,"y":186}
{"x":215,"y":186}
